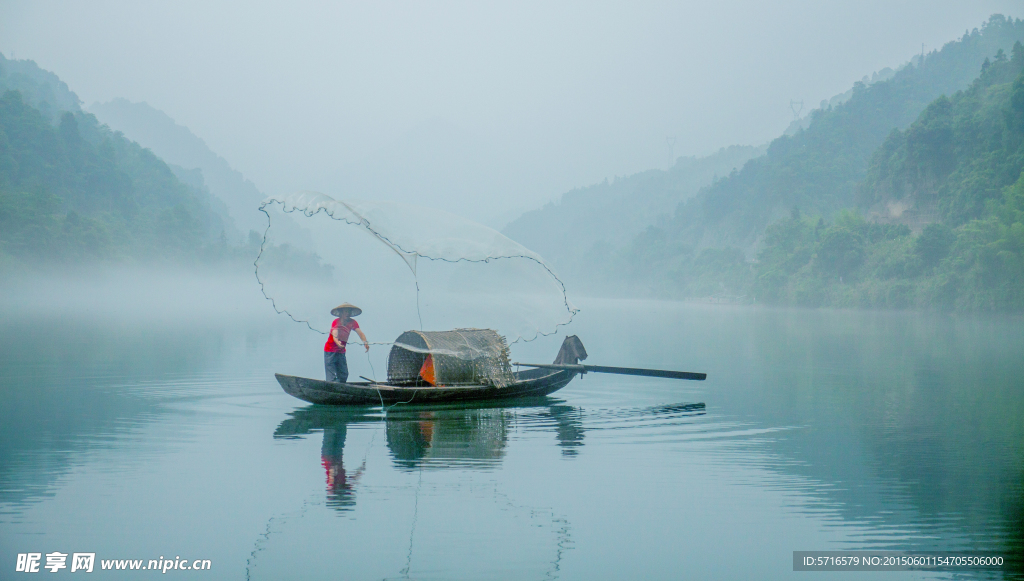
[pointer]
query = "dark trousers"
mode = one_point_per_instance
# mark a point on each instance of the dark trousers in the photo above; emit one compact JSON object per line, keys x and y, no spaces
{"x":336,"y":366}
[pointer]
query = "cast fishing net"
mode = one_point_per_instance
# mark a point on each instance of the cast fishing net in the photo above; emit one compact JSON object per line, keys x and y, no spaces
{"x":407,"y":267}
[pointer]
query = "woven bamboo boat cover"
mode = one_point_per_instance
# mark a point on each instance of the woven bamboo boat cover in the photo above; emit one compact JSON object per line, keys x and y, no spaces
{"x":460,"y":357}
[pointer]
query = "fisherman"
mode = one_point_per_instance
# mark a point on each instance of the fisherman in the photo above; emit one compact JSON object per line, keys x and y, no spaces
{"x":334,"y":350}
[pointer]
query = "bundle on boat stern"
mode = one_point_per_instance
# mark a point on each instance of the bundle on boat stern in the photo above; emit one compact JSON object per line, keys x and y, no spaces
{"x":450,"y":359}
{"x":461,"y":357}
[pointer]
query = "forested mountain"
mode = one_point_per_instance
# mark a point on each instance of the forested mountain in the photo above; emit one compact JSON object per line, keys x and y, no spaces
{"x":818,"y":169}
{"x":72,"y":190}
{"x":596,"y":222}
{"x":958,"y":167}
{"x":175,"y":144}
{"x":41,"y":89}
{"x":814,"y":173}
{"x":77,"y":190}
{"x":957,"y":157}
{"x":704,"y":246}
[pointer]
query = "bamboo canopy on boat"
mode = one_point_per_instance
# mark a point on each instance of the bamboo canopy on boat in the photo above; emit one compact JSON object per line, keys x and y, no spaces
{"x":450,"y":358}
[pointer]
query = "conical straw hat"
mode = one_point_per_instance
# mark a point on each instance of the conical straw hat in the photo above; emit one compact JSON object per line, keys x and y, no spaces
{"x":355,"y":311}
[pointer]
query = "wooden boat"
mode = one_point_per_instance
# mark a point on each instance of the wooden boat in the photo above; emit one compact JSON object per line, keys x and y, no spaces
{"x":539,"y":381}
{"x":528,"y":383}
{"x":405,"y":387}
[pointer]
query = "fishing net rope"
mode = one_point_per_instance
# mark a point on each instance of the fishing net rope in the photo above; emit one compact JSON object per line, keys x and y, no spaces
{"x":463,"y":274}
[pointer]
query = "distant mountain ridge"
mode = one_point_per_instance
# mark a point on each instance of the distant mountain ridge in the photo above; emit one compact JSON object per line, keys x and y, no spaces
{"x":177,"y":145}
{"x":957,"y":156}
{"x":41,"y":89}
{"x":601,"y":219}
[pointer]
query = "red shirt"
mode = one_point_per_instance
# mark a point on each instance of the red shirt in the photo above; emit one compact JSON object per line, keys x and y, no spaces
{"x":343,"y":333}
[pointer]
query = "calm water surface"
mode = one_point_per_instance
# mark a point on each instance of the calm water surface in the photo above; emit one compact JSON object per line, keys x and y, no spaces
{"x":142,"y":439}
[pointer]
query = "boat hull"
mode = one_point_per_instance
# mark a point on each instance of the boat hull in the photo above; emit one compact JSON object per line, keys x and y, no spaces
{"x":531,"y":383}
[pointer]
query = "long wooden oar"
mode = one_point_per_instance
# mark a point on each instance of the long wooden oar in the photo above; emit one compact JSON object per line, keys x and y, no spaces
{"x":621,"y":370}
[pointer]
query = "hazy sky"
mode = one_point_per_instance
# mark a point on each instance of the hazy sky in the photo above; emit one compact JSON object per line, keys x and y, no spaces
{"x":485,"y":109}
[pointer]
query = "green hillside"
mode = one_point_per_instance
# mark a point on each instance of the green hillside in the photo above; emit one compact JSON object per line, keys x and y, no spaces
{"x":175,"y":144}
{"x":958,"y":168}
{"x":39,"y":88}
{"x":956,"y":157}
{"x":818,"y":169}
{"x":862,"y":206}
{"x":77,"y":190}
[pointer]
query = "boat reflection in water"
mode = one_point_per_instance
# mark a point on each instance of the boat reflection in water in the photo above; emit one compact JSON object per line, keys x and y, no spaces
{"x":430,"y":437}
{"x":439,"y":497}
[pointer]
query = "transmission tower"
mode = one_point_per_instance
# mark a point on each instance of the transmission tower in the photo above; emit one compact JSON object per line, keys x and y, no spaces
{"x":797,"y":107}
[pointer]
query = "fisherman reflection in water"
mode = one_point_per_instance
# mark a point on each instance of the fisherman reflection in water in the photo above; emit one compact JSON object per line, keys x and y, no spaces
{"x":335,"y":363}
{"x":340,"y":484}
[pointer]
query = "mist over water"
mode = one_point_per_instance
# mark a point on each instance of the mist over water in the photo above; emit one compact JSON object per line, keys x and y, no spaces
{"x":165,"y":432}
